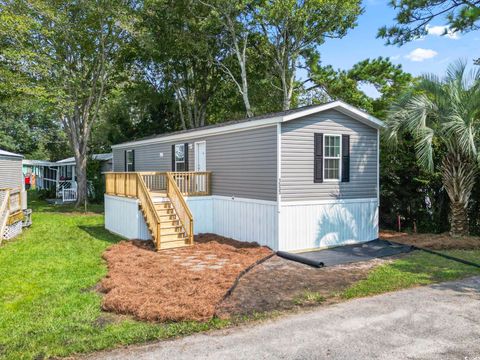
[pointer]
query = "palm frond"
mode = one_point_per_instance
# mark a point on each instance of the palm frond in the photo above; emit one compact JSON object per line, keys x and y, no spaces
{"x":444,"y":109}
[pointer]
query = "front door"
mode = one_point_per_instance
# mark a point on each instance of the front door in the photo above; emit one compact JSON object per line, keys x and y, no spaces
{"x":200,"y":164}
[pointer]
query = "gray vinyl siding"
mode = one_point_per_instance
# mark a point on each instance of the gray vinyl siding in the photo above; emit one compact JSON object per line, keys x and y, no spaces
{"x":243,"y":163}
{"x":11,"y":176}
{"x":297,"y":158}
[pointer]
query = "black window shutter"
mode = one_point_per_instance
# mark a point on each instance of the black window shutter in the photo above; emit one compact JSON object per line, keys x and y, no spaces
{"x":345,"y":158}
{"x":186,"y":156}
{"x":125,"y":161}
{"x":318,"y":158}
{"x":173,"y":157}
{"x":133,"y":160}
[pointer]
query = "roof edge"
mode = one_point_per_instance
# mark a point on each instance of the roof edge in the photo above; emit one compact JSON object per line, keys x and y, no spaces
{"x":341,"y":106}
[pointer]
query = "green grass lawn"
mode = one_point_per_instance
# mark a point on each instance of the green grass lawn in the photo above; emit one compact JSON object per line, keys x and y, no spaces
{"x":48,"y":307}
{"x":418,"y":268}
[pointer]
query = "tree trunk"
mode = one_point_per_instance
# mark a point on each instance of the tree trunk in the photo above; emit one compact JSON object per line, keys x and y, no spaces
{"x":458,"y":219}
{"x":81,"y":171}
{"x":458,"y":177}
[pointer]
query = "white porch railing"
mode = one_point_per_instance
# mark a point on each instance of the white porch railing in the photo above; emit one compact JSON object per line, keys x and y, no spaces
{"x":69,"y":194}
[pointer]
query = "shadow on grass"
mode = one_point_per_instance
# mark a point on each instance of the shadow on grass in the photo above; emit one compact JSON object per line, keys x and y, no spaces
{"x":41,"y":205}
{"x":417,"y":268}
{"x":100,"y":233}
{"x":434,"y":267}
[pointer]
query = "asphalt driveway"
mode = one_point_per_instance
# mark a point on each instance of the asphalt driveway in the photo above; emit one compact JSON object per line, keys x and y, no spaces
{"x":438,"y":321}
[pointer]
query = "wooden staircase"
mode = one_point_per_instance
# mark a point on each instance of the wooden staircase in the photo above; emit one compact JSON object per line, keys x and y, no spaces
{"x":172,"y":232}
{"x":166,"y":213}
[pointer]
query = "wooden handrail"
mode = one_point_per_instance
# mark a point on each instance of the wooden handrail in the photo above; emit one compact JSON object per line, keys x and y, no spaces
{"x":149,"y":209}
{"x":141,"y":185}
{"x":180,"y":205}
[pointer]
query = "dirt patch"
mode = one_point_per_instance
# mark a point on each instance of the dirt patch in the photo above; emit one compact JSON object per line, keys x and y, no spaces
{"x":278,"y":284}
{"x":433,"y":241}
{"x":178,"y":284}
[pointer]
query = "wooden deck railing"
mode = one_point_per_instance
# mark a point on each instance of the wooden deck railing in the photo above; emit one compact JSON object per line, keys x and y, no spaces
{"x":14,"y":199}
{"x":132,"y":184}
{"x":175,"y":185}
{"x":181,"y":207}
{"x":155,"y":181}
{"x":189,"y":183}
{"x":193,"y":183}
{"x":4,"y":211}
{"x":121,"y":183}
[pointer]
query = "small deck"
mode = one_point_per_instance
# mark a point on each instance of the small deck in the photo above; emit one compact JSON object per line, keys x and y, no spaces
{"x":161,"y":195}
{"x":11,"y":210}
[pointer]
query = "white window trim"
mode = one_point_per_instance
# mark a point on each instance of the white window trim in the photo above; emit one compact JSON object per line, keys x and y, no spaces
{"x":180,"y":162}
{"x":129,"y":163}
{"x":329,"y":157}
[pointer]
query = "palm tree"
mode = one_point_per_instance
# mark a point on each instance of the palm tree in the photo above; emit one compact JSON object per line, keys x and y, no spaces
{"x":445,"y":113}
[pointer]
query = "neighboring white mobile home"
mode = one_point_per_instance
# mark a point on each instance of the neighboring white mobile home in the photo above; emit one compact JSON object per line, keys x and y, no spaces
{"x":60,"y":175}
{"x":13,"y":198}
{"x":294,"y":180}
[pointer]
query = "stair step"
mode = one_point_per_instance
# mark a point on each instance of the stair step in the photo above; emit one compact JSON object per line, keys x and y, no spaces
{"x":172,"y":237}
{"x":165,"y":212}
{"x":170,"y":224}
{"x":173,"y":244}
{"x":171,"y":229}
{"x":163,"y":205}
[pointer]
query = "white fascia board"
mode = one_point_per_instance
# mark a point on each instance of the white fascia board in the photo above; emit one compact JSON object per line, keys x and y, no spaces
{"x":254,"y":124}
{"x":205,"y":132}
{"x":342,"y":107}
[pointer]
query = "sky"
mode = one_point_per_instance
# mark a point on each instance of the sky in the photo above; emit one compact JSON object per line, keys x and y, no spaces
{"x":431,"y":54}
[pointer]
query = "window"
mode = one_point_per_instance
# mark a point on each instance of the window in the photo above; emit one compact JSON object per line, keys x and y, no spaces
{"x":129,"y":161}
{"x":332,"y":156}
{"x":180,"y":157}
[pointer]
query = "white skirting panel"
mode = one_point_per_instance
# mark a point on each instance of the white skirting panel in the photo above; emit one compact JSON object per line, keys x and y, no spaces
{"x":123,"y":217}
{"x":202,"y":210}
{"x":237,"y":218}
{"x":308,"y":225}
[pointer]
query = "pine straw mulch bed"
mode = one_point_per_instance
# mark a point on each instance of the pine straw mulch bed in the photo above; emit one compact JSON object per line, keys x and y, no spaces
{"x":178,"y":284}
{"x":433,"y":241}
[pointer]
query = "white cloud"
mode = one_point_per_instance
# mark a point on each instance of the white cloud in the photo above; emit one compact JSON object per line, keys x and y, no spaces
{"x":442,"y":31}
{"x":420,"y":54}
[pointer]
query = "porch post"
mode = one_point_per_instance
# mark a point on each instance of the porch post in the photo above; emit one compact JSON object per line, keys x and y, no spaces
{"x":57,"y":180}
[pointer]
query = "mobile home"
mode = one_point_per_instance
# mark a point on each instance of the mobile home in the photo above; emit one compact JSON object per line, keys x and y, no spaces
{"x":299,"y":179}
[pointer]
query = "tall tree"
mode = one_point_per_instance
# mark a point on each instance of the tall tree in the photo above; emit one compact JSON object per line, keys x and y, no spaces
{"x":236,"y":19}
{"x":185,"y":58}
{"x":414,"y":16}
{"x":70,"y":50}
{"x":294,"y":27}
{"x":388,"y":80}
{"x":446,"y":113}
